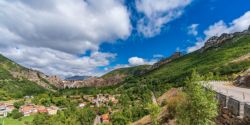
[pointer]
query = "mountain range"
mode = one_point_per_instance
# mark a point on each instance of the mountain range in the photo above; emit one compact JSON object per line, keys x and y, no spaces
{"x":225,"y":55}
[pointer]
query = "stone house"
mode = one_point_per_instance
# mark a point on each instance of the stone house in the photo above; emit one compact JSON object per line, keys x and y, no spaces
{"x":27,"y":110}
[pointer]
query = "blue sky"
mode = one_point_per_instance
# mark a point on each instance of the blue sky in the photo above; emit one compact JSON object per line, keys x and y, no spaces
{"x":175,"y":36}
{"x":92,"y":37}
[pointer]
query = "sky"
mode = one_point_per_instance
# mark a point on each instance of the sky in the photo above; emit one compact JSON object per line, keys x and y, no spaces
{"x":93,"y":37}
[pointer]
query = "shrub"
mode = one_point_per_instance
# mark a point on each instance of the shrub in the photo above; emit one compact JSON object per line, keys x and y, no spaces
{"x":15,"y":114}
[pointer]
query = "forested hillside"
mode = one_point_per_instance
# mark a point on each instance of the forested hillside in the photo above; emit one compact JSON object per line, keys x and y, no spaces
{"x":15,"y":87}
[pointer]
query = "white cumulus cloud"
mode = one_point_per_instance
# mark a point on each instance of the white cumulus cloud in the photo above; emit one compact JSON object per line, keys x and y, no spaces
{"x":158,"y":13}
{"x":45,"y":31}
{"x":135,"y":61}
{"x":220,"y":27}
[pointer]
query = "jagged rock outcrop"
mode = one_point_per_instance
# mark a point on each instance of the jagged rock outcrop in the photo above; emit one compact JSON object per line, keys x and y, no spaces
{"x":243,"y":80}
{"x":92,"y":82}
{"x":56,"y":81}
{"x":216,"y":41}
{"x":34,"y":76}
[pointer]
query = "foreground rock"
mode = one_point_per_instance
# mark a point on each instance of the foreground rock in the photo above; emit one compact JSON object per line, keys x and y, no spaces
{"x":243,"y":80}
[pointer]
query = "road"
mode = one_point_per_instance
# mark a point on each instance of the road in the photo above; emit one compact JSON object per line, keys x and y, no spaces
{"x":224,"y":87}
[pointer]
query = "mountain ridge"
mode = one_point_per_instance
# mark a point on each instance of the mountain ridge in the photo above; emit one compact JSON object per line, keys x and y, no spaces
{"x":119,"y":75}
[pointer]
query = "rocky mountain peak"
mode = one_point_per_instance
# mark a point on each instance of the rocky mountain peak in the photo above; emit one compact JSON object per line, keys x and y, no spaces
{"x":217,"y":41}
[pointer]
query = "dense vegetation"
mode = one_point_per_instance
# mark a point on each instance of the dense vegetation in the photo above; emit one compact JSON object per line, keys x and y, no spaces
{"x":11,"y":87}
{"x":15,"y":88}
{"x":200,"y":106}
{"x":129,"y":71}
{"x":136,"y":90}
{"x":216,"y":60}
{"x":214,"y":63}
{"x":70,"y":116}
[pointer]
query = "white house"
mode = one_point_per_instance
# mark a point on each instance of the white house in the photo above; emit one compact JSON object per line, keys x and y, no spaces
{"x":3,"y":111}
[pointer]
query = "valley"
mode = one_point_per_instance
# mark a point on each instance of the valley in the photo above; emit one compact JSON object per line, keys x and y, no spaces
{"x":139,"y":95}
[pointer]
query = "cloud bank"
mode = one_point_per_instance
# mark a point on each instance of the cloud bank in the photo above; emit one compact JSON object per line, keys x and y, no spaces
{"x":48,"y":35}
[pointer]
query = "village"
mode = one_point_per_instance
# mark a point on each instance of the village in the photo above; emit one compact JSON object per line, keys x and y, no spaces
{"x":30,"y":109}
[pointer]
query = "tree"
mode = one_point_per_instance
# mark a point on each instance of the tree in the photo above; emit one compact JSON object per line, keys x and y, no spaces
{"x":18,"y":104}
{"x":15,"y":114}
{"x":40,"y":119}
{"x":86,"y":116}
{"x":119,"y":119}
{"x":200,"y":107}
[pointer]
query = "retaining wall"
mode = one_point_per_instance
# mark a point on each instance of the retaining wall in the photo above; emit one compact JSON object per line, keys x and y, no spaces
{"x":236,"y":107}
{"x":247,"y":110}
{"x":222,"y":100}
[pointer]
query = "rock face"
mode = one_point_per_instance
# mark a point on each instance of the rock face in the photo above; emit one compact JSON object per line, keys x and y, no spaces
{"x":216,"y":41}
{"x":91,"y":82}
{"x":34,"y":76}
{"x":166,"y":60}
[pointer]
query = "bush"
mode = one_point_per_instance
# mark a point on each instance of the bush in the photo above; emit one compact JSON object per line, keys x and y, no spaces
{"x":201,"y":105}
{"x":18,"y":104}
{"x":154,"y":111}
{"x":173,"y":102}
{"x":15,"y":114}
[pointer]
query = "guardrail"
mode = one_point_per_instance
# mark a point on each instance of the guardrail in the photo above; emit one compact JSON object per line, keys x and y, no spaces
{"x":236,"y":107}
{"x":238,"y":104}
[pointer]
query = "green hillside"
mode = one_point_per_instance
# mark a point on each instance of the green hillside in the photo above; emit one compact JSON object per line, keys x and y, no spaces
{"x":217,"y":60}
{"x":217,"y":63}
{"x":129,"y":71}
{"x":11,"y":87}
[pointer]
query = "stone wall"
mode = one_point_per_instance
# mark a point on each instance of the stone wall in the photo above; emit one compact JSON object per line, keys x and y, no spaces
{"x":247,"y":110}
{"x":232,"y":111}
{"x":222,"y":100}
{"x":234,"y":106}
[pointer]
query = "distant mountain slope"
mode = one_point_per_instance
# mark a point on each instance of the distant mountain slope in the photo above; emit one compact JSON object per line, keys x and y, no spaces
{"x":78,"y":78}
{"x":128,"y":71}
{"x":17,"y":81}
{"x":112,"y":78}
{"x":216,"y":58}
{"x":224,"y":57}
